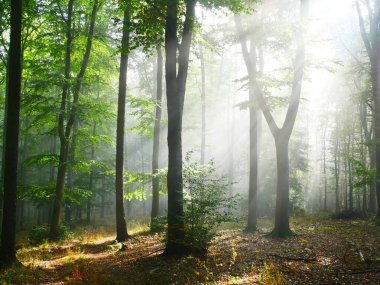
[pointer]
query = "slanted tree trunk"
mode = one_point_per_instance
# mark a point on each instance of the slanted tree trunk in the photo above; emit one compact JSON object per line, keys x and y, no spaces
{"x":65,"y":132}
{"x":175,"y":92}
{"x":12,"y":126}
{"x":121,"y":226}
{"x":156,"y":142}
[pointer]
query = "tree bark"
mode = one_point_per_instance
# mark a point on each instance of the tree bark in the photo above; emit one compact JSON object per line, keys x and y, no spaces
{"x":175,"y":92}
{"x":12,"y":126}
{"x":121,"y":226}
{"x":156,"y":142}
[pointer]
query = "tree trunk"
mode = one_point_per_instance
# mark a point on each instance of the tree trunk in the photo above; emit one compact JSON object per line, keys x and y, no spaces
{"x":12,"y":126}
{"x":203,"y":100}
{"x":336,"y":165}
{"x":324,"y":171}
{"x":281,"y":227}
{"x":61,"y":120}
{"x":70,"y":173}
{"x":375,"y":68}
{"x":65,"y":132}
{"x":175,"y":92}
{"x":121,"y":226}
{"x":92,"y":174}
{"x":253,"y":163}
{"x":156,"y":142}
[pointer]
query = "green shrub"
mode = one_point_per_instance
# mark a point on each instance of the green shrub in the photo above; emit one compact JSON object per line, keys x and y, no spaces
{"x":159,"y":224}
{"x":207,"y":204}
{"x":39,"y":234}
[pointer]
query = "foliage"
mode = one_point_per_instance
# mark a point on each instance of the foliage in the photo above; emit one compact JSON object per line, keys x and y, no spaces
{"x":207,"y":203}
{"x":159,"y":224}
{"x":40,"y":234}
{"x":362,"y":175}
{"x":143,"y":111}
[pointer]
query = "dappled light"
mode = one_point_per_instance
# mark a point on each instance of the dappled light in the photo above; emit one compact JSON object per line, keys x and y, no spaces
{"x":190,"y":142}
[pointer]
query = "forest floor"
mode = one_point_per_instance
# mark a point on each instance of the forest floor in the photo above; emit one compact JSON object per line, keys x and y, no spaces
{"x":324,"y":251}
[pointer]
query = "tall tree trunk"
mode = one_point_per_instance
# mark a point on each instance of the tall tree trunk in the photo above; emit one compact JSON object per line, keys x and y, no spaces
{"x":324,"y":171}
{"x":121,"y":226}
{"x":203,"y":100}
{"x":250,"y":59}
{"x":70,"y":174}
{"x":371,"y":42}
{"x":337,"y":172}
{"x":346,"y":183}
{"x":12,"y":126}
{"x":175,"y":92}
{"x":350,"y":177}
{"x":61,"y":128}
{"x":156,"y":142}
{"x":92,"y":174}
{"x":375,"y":73}
{"x":253,"y":164}
{"x":65,"y":132}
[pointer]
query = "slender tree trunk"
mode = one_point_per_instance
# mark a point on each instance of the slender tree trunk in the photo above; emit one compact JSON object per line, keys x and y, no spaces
{"x":156,"y":142}
{"x":61,"y":121}
{"x":251,"y":58}
{"x":324,"y":171}
{"x":70,"y":173}
{"x":337,"y":172}
{"x":346,"y":184}
{"x":203,"y":100}
{"x":12,"y":126}
{"x":91,"y":180}
{"x":121,"y":226}
{"x":253,"y":164}
{"x":350,"y":175}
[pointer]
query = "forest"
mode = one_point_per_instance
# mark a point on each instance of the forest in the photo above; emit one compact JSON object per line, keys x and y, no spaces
{"x":190,"y":142}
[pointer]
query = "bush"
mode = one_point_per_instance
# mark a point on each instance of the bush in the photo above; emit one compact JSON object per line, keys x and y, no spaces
{"x":207,"y":204}
{"x":159,"y":224}
{"x":40,"y":234}
{"x":349,"y":215}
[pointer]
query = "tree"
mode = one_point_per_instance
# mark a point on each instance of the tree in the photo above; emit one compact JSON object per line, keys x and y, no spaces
{"x":65,"y":132}
{"x":175,"y":92}
{"x":250,"y":59}
{"x":156,"y":141}
{"x":371,"y":40}
{"x":12,"y":126}
{"x":121,"y":226}
{"x":282,"y":135}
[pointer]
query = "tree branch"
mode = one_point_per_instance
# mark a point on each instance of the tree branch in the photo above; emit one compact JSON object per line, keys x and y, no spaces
{"x":363,"y":31}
